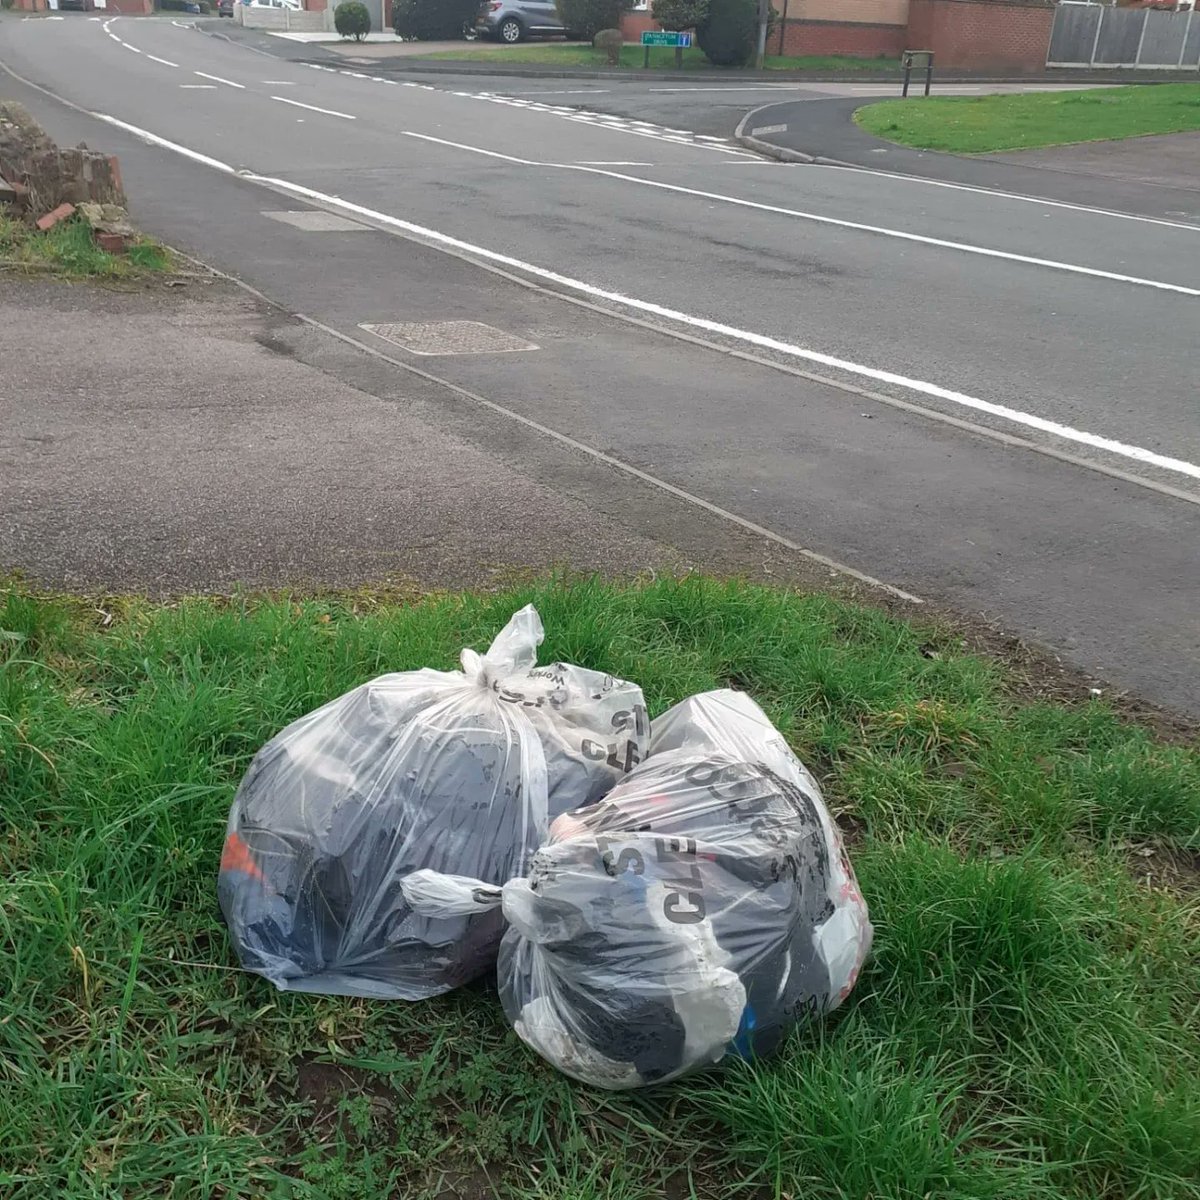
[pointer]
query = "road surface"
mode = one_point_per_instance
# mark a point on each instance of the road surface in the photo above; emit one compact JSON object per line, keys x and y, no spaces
{"x":984,"y":401}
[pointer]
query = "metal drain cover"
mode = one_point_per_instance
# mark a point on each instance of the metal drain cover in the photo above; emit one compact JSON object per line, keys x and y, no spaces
{"x":313,"y":220}
{"x":449,"y":337}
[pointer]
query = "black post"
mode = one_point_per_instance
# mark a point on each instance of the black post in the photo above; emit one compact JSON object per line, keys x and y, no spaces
{"x":646,"y":57}
{"x":928,"y":71}
{"x":678,"y":57}
{"x":907,"y":72}
{"x":782,"y":28}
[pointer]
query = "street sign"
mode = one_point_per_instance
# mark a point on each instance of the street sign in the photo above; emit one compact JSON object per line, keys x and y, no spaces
{"x":659,"y":38}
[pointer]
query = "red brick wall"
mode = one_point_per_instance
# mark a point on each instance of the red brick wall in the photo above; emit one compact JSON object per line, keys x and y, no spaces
{"x":838,"y":37}
{"x":130,"y":8}
{"x":32,"y":5}
{"x":634,"y":24}
{"x":998,"y":35}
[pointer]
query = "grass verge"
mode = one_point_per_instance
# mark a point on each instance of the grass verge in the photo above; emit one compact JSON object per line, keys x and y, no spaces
{"x":69,"y":250}
{"x":979,"y":124}
{"x":1026,"y":1029}
{"x":632,"y":56}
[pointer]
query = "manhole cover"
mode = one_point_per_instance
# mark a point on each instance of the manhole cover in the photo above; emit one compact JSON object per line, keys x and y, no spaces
{"x":313,"y":220}
{"x":449,"y":337}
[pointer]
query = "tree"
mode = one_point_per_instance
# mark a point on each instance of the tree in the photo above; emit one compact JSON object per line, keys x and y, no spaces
{"x":728,"y":33}
{"x":585,"y":18}
{"x":678,"y":15}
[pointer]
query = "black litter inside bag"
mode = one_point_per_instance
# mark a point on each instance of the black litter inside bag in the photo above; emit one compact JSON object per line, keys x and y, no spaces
{"x":436,"y":770}
{"x":699,"y":911}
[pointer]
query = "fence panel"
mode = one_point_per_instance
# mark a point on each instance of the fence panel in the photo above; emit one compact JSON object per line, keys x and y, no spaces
{"x":1191,"y":48}
{"x":1163,"y":41}
{"x":1120,"y":36}
{"x":1074,"y":33}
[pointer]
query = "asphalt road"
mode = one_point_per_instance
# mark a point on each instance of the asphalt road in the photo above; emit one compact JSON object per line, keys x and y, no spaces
{"x":988,"y":401}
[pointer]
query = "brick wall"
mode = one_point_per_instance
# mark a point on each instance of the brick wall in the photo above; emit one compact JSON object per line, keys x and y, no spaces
{"x":634,"y":24}
{"x":32,"y":5}
{"x":998,"y":35}
{"x":130,"y":8}
{"x":854,"y":38}
{"x":844,"y":12}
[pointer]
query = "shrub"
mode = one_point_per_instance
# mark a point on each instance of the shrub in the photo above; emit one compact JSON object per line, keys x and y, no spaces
{"x":7,"y":4}
{"x":728,"y":33}
{"x":351,"y":19}
{"x":585,"y":18}
{"x":610,"y":41}
{"x":678,"y":15}
{"x":432,"y":20}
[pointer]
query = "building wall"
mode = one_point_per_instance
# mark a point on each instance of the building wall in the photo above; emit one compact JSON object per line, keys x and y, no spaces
{"x":999,"y":35}
{"x":854,"y":38}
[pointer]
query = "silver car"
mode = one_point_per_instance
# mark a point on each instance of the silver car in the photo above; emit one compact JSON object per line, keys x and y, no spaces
{"x":512,"y":21}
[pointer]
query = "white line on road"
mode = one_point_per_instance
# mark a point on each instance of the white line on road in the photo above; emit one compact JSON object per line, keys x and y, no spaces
{"x":166,"y":62}
{"x":1020,"y":196}
{"x":129,"y":47}
{"x":217,"y":79}
{"x":569,"y":92}
{"x":280,"y":82}
{"x":922,"y":387}
{"x":198,"y":87}
{"x":763,"y":129}
{"x":602,"y":163}
{"x":821,"y":219}
{"x":329,"y":112}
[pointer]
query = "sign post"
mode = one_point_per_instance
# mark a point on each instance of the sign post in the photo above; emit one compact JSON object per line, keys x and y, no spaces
{"x":658,"y":37}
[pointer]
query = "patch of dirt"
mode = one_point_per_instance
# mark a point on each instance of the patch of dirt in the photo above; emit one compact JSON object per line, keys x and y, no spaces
{"x":1165,"y":869}
{"x":1036,"y":673}
{"x":471,"y":1185}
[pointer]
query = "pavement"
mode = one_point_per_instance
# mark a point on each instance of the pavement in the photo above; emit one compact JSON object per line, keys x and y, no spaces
{"x":1167,"y":160}
{"x":982,"y":400}
{"x":1157,"y":181}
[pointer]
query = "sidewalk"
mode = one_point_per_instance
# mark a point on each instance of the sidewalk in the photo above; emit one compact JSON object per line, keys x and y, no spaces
{"x":1161,"y":160}
{"x":166,"y":439}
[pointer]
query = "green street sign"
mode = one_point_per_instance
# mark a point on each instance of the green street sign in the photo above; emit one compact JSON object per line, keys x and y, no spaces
{"x":659,"y":38}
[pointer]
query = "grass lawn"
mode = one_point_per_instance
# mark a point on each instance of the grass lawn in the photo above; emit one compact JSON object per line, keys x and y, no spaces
{"x":978,"y":124}
{"x":632,"y":56}
{"x":68,"y":249}
{"x":1025,"y":1030}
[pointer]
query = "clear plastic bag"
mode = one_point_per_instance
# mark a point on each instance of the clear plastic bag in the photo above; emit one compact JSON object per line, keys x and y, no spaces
{"x":699,"y":910}
{"x":456,"y":771}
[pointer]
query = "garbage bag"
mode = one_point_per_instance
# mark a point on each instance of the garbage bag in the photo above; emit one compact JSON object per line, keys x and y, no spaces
{"x":699,"y":910}
{"x":456,"y":771}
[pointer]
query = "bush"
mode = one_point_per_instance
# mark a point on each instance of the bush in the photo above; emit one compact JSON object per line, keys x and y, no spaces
{"x":610,"y":41}
{"x":180,"y":5}
{"x":728,"y":33}
{"x":351,"y":19}
{"x":585,"y":18}
{"x":432,"y":20}
{"x":678,"y":15}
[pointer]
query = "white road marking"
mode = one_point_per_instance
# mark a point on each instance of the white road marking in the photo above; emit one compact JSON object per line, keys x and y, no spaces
{"x":569,"y":92}
{"x":820,"y":219}
{"x":329,"y":112}
{"x":199,"y":87}
{"x":1019,"y":196}
{"x":129,"y":47}
{"x":922,"y":387}
{"x":166,"y":62}
{"x":280,"y":82}
{"x":217,"y":79}
{"x":764,"y":129}
{"x":618,"y":163}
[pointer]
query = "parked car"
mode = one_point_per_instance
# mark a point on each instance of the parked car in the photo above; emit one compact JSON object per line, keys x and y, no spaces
{"x":512,"y":21}
{"x":225,"y":8}
{"x":78,"y":5}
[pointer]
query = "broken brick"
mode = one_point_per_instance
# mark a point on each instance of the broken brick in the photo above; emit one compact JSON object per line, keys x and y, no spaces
{"x":52,"y":218}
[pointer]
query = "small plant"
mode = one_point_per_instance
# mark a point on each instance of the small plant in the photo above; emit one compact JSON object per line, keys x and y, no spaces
{"x":351,"y":19}
{"x":586,"y":18}
{"x":728,"y":32}
{"x":610,"y":41}
{"x":7,"y":4}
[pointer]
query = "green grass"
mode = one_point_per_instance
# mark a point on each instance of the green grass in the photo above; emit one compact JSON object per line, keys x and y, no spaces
{"x":1027,"y":1028}
{"x":979,"y":124}
{"x":68,"y":249}
{"x":632,"y":56}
